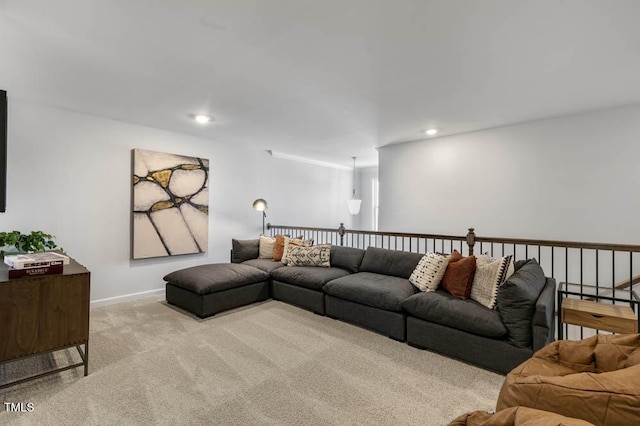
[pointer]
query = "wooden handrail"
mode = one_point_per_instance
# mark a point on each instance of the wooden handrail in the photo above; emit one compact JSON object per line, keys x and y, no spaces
{"x":302,"y":228}
{"x":377,"y":233}
{"x":627,"y":283}
{"x":563,"y":244}
{"x":478,"y":239}
{"x":621,"y":285}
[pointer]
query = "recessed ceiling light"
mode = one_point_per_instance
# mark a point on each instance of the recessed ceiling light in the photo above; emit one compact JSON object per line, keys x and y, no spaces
{"x":202,"y":119}
{"x":431,"y":132}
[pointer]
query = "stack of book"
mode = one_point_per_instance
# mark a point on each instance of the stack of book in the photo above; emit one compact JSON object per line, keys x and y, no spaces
{"x":26,"y":265}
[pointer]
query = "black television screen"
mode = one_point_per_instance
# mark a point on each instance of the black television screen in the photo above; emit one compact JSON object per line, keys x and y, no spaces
{"x":3,"y":151}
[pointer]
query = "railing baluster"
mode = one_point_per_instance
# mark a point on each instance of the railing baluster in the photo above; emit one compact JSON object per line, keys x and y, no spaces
{"x":631,"y":281}
{"x":553,"y":271}
{"x":597,"y":273}
{"x":566,"y":280}
{"x":613,"y":272}
{"x":593,"y":284}
{"x":581,"y":288}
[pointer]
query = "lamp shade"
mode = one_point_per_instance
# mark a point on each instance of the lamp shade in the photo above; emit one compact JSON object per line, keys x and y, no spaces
{"x":354,"y":205}
{"x":260,"y":205}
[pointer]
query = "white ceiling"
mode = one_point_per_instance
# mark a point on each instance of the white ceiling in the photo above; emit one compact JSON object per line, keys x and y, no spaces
{"x":322,"y":79}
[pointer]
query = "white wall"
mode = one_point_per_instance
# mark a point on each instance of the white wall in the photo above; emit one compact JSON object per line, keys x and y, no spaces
{"x":364,"y":177}
{"x":568,"y":178}
{"x":70,"y":175}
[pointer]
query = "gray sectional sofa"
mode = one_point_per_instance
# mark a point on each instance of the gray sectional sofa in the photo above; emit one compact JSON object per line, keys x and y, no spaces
{"x":371,"y":288}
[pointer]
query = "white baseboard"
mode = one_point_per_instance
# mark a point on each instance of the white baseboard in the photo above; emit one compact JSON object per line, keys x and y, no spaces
{"x":126,"y":297}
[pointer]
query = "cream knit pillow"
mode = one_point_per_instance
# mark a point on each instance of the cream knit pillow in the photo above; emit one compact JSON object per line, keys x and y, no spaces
{"x":267,"y":244}
{"x":490,"y":274}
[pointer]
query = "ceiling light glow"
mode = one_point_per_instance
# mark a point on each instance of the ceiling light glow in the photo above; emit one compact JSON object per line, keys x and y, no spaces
{"x":202,"y":119}
{"x":431,"y":132}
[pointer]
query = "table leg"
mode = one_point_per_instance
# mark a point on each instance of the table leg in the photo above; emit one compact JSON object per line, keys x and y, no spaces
{"x":86,"y":358}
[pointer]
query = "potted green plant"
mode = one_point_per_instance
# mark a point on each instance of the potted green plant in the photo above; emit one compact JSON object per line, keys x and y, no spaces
{"x":17,"y":242}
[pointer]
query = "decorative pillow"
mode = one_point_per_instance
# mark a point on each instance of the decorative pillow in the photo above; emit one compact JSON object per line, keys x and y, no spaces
{"x":295,"y":241}
{"x":458,"y":278}
{"x":429,"y":272}
{"x":490,"y":274}
{"x":267,"y":245}
{"x":309,"y":256}
{"x":278,"y":248}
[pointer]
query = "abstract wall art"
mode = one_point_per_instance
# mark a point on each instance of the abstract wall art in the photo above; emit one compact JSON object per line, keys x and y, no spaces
{"x":170,"y":208}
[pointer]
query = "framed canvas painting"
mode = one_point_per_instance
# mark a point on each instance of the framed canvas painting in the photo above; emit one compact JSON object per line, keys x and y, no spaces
{"x":170,"y":206}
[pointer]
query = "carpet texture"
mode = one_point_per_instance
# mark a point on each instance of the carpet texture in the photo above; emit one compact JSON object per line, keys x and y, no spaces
{"x":269,"y":363}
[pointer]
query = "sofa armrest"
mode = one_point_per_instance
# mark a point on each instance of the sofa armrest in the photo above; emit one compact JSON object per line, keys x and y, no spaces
{"x":544,"y":318}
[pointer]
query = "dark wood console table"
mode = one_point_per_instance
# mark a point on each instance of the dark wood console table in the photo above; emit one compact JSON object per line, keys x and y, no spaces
{"x":43,"y":314}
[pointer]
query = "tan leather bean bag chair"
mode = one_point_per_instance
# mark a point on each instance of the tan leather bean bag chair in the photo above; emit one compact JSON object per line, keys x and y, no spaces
{"x":516,"y":416}
{"x":595,"y":379}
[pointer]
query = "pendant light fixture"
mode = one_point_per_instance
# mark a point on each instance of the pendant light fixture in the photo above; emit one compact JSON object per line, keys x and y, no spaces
{"x":354,"y":203}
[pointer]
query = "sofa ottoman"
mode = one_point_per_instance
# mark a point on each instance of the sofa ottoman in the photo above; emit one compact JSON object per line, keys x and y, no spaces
{"x":206,"y":290}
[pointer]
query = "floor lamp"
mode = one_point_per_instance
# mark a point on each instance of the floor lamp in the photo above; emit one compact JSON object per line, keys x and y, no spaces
{"x":261,"y":206}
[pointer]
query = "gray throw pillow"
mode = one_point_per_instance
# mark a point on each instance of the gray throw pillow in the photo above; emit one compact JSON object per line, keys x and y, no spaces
{"x":390,"y":262}
{"x":516,"y":302}
{"x":347,"y":258}
{"x":244,"y":250}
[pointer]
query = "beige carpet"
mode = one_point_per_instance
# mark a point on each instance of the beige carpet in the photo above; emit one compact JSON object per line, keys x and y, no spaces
{"x":269,"y":363}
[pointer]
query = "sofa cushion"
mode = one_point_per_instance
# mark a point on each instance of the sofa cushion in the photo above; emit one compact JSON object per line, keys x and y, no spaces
{"x":390,"y":262}
{"x":516,"y":301}
{"x":307,"y":276}
{"x":379,"y":291}
{"x":267,"y":265}
{"x":429,"y":271}
{"x":442,"y":308}
{"x":458,"y":278}
{"x":205,"y":279}
{"x":244,"y":250}
{"x":347,"y":258}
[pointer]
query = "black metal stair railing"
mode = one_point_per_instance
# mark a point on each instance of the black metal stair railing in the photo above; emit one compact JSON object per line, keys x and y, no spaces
{"x":598,"y":271}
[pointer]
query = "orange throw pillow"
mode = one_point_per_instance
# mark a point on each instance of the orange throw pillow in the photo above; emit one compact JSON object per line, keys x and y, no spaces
{"x":278,"y":248}
{"x":458,"y":278}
